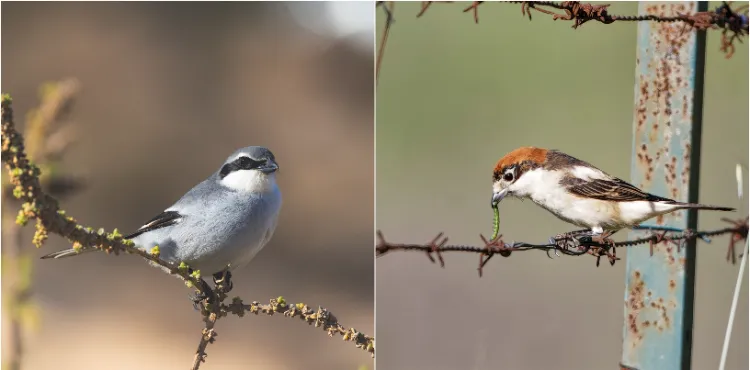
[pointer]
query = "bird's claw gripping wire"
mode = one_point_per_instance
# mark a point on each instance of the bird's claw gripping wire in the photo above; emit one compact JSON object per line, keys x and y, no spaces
{"x":568,"y":242}
{"x":605,"y":247}
{"x":554,"y":242}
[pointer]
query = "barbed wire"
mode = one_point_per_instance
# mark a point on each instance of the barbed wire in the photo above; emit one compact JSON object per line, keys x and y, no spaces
{"x":574,"y":243}
{"x":732,"y":22}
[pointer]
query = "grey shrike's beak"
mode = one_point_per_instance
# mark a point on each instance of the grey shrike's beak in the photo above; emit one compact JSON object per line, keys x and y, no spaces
{"x":269,"y":167}
{"x":498,"y":196}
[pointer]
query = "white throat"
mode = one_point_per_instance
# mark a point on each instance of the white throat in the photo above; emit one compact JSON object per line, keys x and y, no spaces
{"x":251,"y":181}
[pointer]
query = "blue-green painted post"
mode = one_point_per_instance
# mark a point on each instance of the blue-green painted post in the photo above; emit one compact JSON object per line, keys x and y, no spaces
{"x":659,"y":290}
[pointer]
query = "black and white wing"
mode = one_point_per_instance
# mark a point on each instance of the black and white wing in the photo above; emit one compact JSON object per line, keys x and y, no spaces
{"x":164,"y":219}
{"x":611,"y":189}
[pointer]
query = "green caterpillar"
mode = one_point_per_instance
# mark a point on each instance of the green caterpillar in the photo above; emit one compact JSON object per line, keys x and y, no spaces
{"x":495,"y":221}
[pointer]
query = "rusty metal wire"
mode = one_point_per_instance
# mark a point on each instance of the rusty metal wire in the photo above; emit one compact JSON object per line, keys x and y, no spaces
{"x":732,"y":22}
{"x":574,"y":243}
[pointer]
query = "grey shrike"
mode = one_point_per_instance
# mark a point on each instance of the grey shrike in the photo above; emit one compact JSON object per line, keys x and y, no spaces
{"x":221,"y":223}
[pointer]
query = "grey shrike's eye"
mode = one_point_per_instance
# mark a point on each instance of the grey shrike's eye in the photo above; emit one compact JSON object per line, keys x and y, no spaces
{"x":247,"y":163}
{"x":508,"y":176}
{"x":241,"y":163}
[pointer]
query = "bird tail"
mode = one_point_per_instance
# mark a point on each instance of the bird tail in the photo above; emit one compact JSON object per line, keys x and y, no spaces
{"x":704,"y":206}
{"x":66,"y":253}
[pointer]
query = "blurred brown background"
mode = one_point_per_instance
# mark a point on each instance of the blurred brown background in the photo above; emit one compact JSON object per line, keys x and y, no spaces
{"x":454,"y":97}
{"x":168,"y":91}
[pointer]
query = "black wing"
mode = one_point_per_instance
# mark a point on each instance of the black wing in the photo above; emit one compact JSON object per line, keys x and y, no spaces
{"x":164,"y":219}
{"x":613,"y":189}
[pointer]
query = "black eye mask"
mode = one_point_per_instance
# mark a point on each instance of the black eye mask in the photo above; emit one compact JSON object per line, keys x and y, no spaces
{"x":241,"y":163}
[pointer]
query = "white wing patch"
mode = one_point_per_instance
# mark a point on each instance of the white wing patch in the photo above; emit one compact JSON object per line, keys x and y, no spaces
{"x":588,"y":173}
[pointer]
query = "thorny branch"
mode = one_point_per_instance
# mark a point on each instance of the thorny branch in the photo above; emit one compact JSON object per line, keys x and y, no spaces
{"x":48,"y":136}
{"x":574,"y":243}
{"x":24,"y":177}
{"x":319,"y":317}
{"x":732,"y":22}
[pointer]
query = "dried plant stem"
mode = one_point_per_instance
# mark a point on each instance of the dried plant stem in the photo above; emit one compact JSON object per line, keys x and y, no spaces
{"x":207,"y":336}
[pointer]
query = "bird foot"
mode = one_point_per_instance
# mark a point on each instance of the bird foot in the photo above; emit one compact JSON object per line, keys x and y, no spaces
{"x":206,"y":294}
{"x":223,"y":280}
{"x":567,"y":241}
{"x":608,"y":249}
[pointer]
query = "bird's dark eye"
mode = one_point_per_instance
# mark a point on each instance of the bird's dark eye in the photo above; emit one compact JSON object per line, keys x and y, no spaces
{"x":247,"y":163}
{"x":241,"y":163}
{"x":508,"y":176}
{"x":244,"y":162}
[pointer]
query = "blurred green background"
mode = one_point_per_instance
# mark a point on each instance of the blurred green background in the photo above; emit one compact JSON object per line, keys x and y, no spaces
{"x":452,"y":98}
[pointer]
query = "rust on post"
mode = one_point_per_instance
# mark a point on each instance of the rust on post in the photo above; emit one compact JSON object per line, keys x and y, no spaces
{"x":657,"y":331}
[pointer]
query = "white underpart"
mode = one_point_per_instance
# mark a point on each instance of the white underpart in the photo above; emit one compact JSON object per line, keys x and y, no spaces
{"x":543,"y":188}
{"x":249,"y":181}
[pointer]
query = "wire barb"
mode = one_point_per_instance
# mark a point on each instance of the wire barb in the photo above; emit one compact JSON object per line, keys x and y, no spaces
{"x":435,"y":248}
{"x":384,"y":39}
{"x":475,"y":7}
{"x":491,"y":247}
{"x":737,"y":237}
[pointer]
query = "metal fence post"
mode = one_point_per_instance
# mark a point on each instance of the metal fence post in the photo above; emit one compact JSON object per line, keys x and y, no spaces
{"x":670,"y":58}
